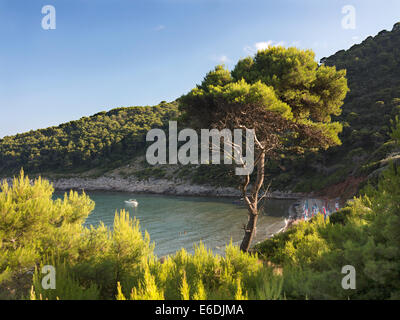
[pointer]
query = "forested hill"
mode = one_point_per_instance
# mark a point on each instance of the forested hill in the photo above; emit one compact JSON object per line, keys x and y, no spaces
{"x":373,"y":67}
{"x":373,"y":72}
{"x":105,"y":139}
{"x":110,"y":139}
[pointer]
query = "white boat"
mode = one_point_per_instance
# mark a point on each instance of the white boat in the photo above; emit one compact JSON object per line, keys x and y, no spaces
{"x":132,"y":202}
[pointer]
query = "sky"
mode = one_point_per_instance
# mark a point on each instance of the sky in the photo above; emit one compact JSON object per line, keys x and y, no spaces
{"x":119,"y":53}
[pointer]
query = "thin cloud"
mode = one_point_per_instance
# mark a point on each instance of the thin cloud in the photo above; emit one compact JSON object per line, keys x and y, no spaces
{"x":160,"y":27}
{"x":320,"y":44}
{"x":250,"y":50}
{"x":296,"y":43}
{"x":222,"y":59}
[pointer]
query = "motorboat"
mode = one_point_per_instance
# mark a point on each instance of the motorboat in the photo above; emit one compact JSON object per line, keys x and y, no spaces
{"x":132,"y":202}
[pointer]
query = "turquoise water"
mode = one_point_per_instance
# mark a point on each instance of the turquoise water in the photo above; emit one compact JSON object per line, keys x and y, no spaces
{"x":175,"y":222}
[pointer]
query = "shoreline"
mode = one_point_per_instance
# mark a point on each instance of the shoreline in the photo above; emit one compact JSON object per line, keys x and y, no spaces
{"x":155,"y":186}
{"x":178,"y":188}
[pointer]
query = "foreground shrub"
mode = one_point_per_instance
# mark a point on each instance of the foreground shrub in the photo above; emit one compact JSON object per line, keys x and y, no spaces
{"x":103,"y":263}
{"x":366,"y":236}
{"x":32,"y":226}
{"x":67,"y":287}
{"x":203,"y":275}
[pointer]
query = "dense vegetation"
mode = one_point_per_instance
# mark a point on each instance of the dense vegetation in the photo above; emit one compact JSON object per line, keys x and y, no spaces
{"x":106,"y":139}
{"x":98,"y":263}
{"x":364,"y":235}
{"x":373,"y":69}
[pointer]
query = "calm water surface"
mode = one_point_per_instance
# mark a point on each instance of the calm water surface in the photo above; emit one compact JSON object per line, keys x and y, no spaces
{"x":174,"y":222}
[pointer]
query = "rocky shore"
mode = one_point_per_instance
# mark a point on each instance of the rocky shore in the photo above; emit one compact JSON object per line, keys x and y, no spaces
{"x":154,"y":186}
{"x":131,"y":184}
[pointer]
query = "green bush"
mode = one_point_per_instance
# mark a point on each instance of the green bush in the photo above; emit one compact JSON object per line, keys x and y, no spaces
{"x":33,"y":226}
{"x":365,"y":235}
{"x":100,"y":263}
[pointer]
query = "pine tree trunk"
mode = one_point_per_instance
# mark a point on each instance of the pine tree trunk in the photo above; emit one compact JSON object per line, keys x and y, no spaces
{"x":252,"y":204}
{"x":249,"y":232}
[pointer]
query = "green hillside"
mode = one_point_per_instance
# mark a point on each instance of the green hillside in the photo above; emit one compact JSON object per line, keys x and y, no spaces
{"x":109,"y":140}
{"x":106,"y":140}
{"x":373,"y":73}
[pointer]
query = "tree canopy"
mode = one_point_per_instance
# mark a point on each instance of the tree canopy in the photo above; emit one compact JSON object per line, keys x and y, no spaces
{"x":287,"y":82}
{"x":372,"y":68}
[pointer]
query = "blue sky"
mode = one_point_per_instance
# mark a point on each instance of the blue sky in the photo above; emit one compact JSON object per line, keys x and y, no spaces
{"x":107,"y":54}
